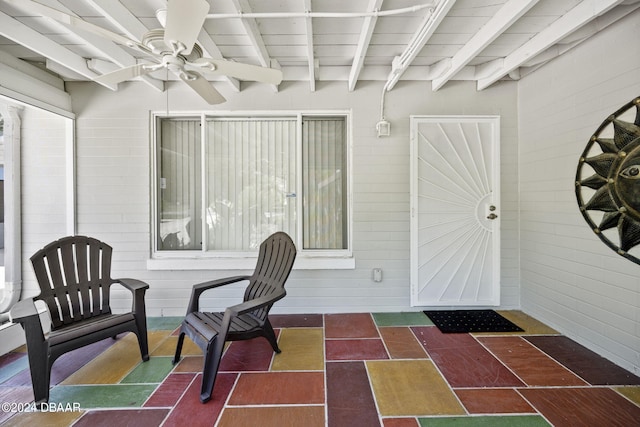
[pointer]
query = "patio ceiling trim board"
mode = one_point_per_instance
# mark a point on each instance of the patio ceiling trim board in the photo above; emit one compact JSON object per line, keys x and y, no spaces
{"x":503,"y":19}
{"x":253,"y":32}
{"x":428,"y":26}
{"x":310,"y":56}
{"x":584,"y":33}
{"x":31,"y":39}
{"x":571,"y":21}
{"x":110,"y":49}
{"x":363,"y":43}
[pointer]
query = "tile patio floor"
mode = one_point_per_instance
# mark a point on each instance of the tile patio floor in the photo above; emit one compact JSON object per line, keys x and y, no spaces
{"x":380,"y":369}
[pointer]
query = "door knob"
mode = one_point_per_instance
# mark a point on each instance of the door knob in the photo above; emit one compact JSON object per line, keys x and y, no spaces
{"x":492,"y":216}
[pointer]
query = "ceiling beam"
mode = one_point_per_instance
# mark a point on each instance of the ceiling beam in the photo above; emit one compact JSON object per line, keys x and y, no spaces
{"x":33,"y":40}
{"x":363,"y":43}
{"x":571,"y":21}
{"x":253,"y":32}
{"x":428,"y":26}
{"x":110,"y":49}
{"x":509,"y":13}
{"x":121,"y":17}
{"x":308,"y":22}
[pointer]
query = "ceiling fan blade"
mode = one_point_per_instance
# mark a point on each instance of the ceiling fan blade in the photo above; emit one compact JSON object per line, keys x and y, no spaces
{"x":184,"y":22}
{"x":76,"y":22}
{"x":202,"y":87}
{"x":239,"y":70}
{"x":123,"y":74}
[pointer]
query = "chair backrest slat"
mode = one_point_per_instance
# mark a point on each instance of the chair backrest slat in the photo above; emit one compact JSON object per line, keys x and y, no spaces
{"x":74,"y":278}
{"x":68,"y":266}
{"x":275,"y":261}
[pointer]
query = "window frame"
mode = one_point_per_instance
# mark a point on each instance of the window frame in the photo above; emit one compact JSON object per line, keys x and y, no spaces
{"x":234,"y":260}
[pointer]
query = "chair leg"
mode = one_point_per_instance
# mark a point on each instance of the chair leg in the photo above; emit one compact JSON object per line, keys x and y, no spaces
{"x":141,"y":325}
{"x":212,"y":358}
{"x":40,"y":376}
{"x":270,"y":335}
{"x":176,"y":358}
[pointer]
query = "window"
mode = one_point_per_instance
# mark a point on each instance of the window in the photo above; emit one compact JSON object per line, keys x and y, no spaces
{"x":225,"y":183}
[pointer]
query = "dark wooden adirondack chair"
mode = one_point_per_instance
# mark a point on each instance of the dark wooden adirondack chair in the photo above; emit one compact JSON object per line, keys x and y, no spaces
{"x":74,"y":274}
{"x":242,"y":321}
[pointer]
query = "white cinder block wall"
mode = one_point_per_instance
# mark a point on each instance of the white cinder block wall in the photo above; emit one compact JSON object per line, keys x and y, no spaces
{"x":113,"y":190}
{"x":570,"y":279}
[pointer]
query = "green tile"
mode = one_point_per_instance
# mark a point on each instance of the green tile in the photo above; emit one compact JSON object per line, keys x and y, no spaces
{"x":103,"y":396}
{"x":485,"y":421}
{"x":163,"y":323}
{"x":413,"y":318}
{"x":155,"y":370}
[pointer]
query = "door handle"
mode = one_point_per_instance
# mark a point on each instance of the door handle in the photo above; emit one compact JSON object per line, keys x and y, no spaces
{"x":492,"y":216}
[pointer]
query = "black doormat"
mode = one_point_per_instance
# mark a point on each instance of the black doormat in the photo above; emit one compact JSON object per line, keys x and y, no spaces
{"x":460,"y":321}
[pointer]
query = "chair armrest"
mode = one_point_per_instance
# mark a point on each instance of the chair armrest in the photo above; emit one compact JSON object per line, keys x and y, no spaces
{"x":198,"y":289}
{"x":26,"y":313}
{"x":23,"y":310}
{"x":137,"y":288}
{"x":255,"y":304}
{"x":246,"y":307}
{"x":133,"y":284}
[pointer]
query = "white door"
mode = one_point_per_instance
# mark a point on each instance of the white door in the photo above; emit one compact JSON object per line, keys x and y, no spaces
{"x":455,"y":211}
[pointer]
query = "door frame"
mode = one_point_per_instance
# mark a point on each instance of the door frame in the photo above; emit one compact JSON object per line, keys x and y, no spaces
{"x":494,"y":180}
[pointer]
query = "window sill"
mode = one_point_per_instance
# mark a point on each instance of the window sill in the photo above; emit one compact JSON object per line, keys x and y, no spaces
{"x":248,"y":263}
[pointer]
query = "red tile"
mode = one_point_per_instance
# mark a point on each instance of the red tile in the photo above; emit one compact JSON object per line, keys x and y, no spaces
{"x":128,"y":417}
{"x":402,"y":344}
{"x":530,"y":364}
{"x":350,"y":401}
{"x":369,"y":349}
{"x":248,"y":355}
{"x":296,"y":320}
{"x":400,"y":422}
{"x":171,"y":389}
{"x":358,"y":325}
{"x":272,"y":416}
{"x":279,"y":388}
{"x":583,"y":406}
{"x":190,"y":411}
{"x":463,"y":361}
{"x":493,"y":401}
{"x":588,"y":365}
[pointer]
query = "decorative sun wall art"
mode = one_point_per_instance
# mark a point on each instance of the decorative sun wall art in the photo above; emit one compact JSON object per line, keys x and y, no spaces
{"x":608,"y":181}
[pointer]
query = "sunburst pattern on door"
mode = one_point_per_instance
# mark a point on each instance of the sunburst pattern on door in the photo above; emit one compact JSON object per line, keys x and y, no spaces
{"x":455,"y":215}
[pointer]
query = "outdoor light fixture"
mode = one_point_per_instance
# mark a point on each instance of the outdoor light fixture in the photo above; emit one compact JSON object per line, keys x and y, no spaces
{"x":383,"y":127}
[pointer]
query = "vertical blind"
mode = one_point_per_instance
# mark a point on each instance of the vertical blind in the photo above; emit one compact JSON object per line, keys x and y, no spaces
{"x":323,"y":183}
{"x":251,"y":170}
{"x":180,"y":217}
{"x":251,"y":182}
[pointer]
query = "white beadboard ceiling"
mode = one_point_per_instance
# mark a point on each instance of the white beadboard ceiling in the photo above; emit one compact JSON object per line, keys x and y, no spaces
{"x":324,"y":40}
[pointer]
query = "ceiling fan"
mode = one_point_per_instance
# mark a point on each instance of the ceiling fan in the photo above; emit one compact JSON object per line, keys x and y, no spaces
{"x":173,"y":48}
